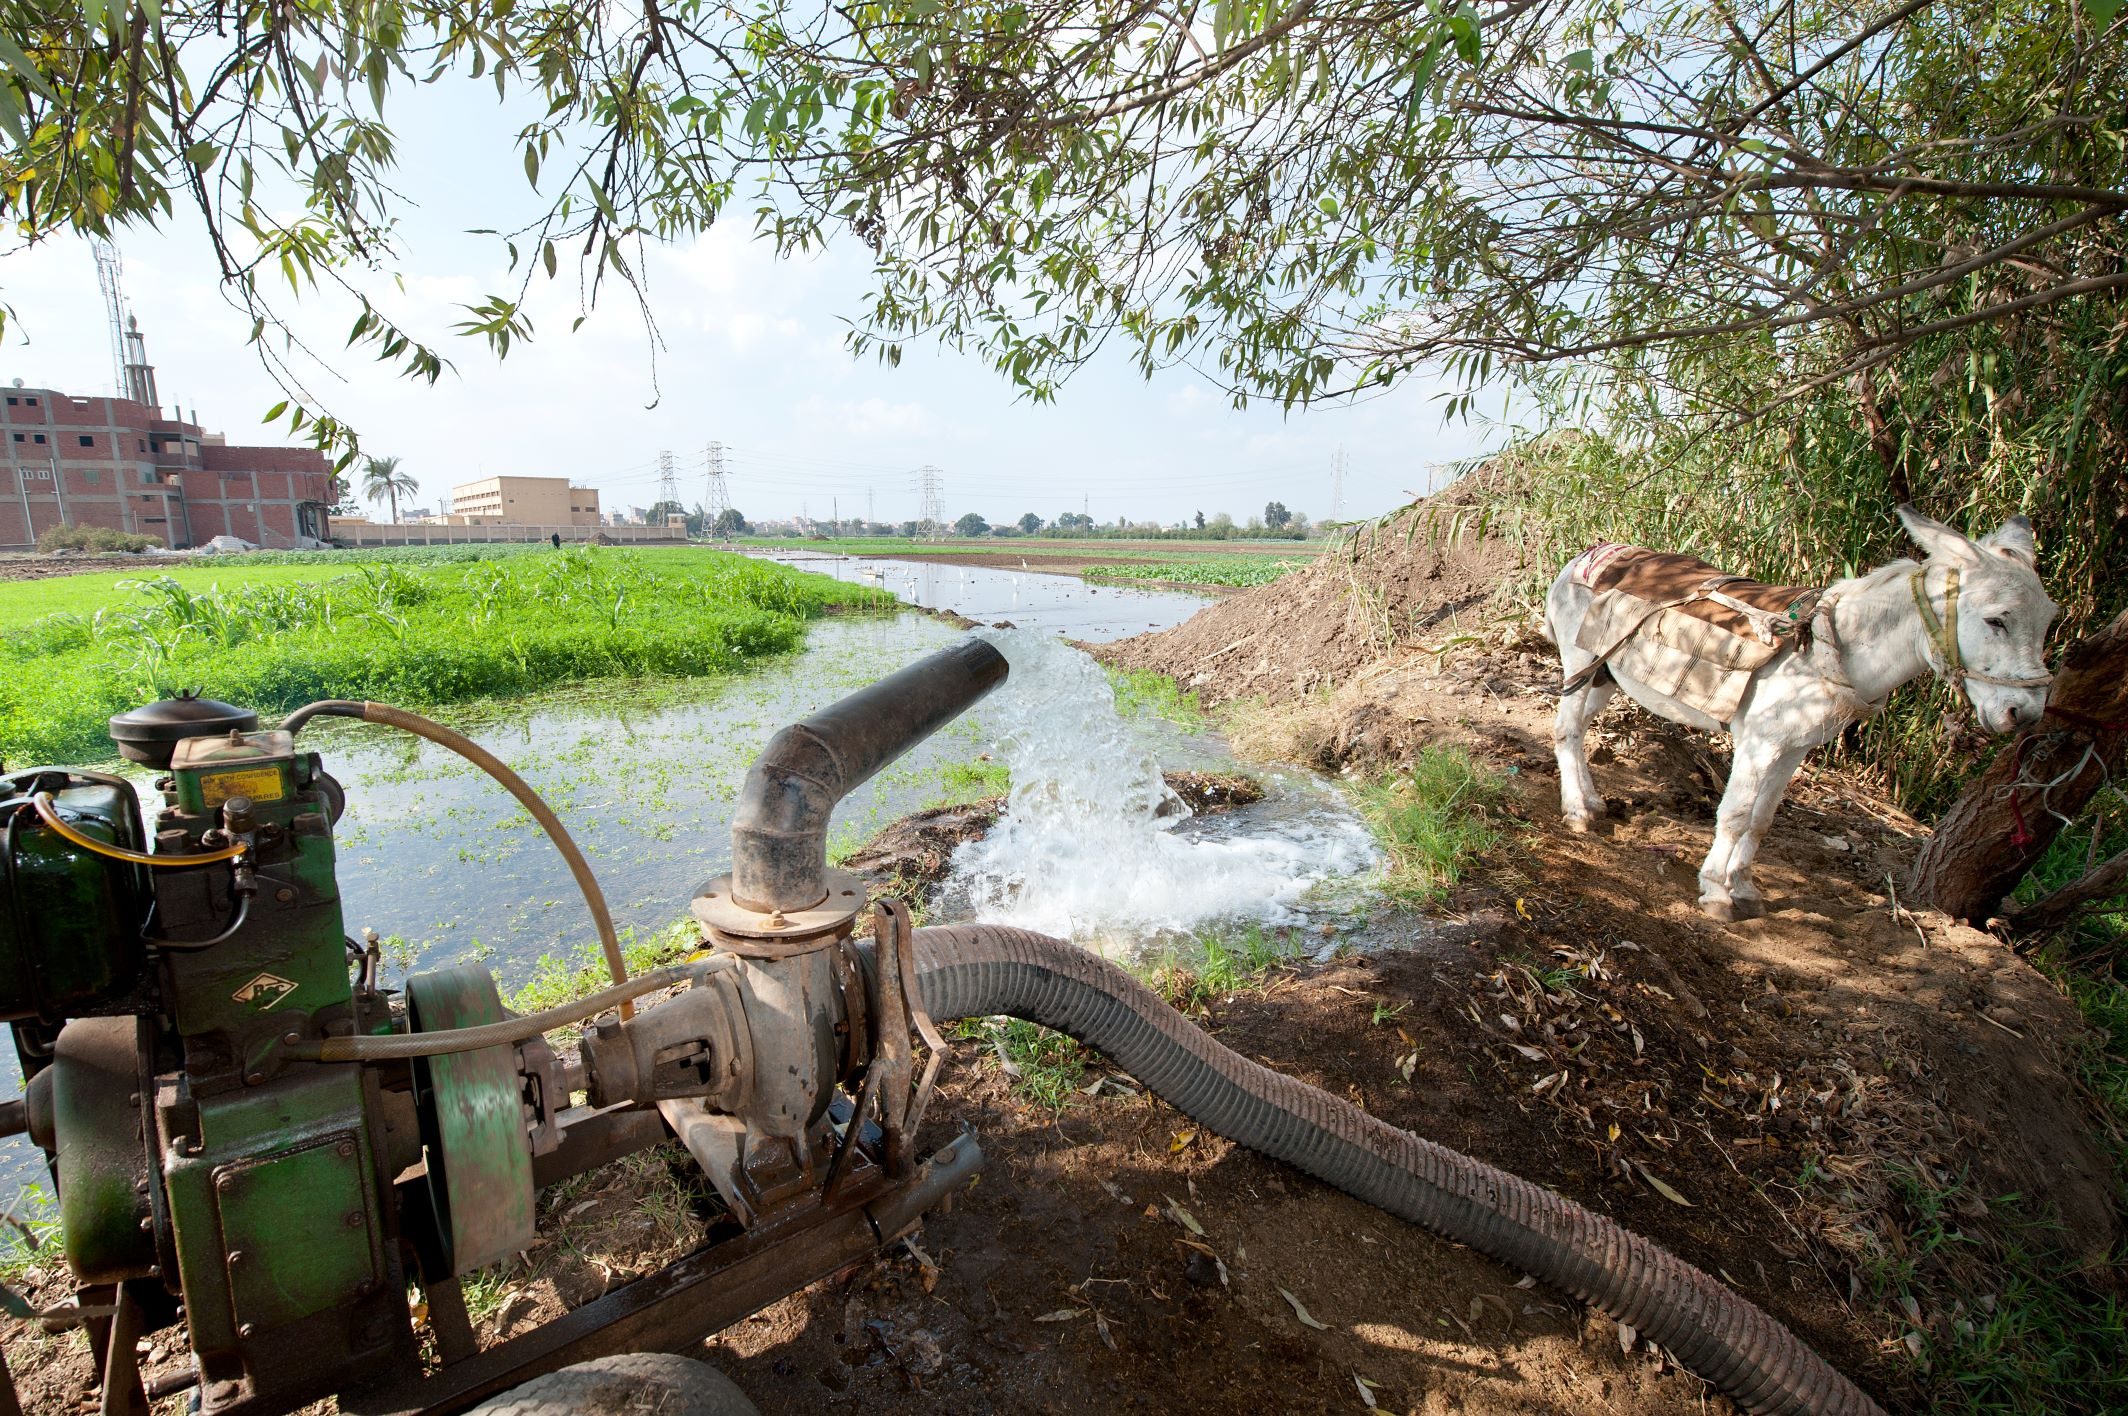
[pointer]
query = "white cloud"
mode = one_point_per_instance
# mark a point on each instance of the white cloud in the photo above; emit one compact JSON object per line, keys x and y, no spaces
{"x":867,"y":419}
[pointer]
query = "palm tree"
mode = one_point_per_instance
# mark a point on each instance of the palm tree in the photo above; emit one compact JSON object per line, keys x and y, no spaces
{"x":383,"y":481}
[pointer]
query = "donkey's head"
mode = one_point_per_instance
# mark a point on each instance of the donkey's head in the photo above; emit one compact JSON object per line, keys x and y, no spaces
{"x":1986,"y":615}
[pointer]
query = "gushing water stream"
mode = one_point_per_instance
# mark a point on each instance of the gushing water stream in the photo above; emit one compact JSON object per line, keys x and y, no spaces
{"x":1094,"y":846}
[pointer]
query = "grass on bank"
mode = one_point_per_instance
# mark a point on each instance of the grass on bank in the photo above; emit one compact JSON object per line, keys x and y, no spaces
{"x":29,"y":1235}
{"x":563,"y":978}
{"x":963,"y":782}
{"x":1431,"y":819}
{"x":2010,"y":1321}
{"x":419,"y":635}
{"x":1143,"y":692}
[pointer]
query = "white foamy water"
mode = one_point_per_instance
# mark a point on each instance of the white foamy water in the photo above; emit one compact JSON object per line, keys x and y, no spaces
{"x":1094,"y":845}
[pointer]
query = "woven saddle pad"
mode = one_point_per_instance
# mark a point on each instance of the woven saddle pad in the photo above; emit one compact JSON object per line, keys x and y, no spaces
{"x":1654,"y":619}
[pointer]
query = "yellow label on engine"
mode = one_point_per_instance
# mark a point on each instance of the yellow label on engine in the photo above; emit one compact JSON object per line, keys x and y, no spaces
{"x":258,"y":783}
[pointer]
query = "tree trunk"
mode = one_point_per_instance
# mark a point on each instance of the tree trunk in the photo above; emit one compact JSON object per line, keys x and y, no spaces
{"x":2103,"y":883}
{"x":1980,"y":850}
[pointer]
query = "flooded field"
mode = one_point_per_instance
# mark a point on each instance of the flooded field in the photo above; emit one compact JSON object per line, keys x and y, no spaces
{"x":1027,"y":599}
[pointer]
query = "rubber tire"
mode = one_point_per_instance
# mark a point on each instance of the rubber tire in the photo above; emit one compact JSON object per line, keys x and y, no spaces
{"x":631,"y":1384}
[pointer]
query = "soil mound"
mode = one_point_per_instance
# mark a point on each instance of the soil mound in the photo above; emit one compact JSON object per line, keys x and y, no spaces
{"x":1423,"y":575}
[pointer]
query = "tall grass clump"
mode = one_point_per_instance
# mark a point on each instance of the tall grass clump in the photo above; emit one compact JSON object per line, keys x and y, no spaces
{"x":408,"y":633}
{"x":1151,"y":693}
{"x":1431,"y":819}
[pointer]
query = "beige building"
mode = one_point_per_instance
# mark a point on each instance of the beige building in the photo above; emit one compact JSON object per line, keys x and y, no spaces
{"x":524,"y":501}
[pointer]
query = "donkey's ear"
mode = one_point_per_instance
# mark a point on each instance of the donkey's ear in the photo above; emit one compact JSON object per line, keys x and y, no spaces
{"x":2013,"y":539}
{"x":1936,"y":539}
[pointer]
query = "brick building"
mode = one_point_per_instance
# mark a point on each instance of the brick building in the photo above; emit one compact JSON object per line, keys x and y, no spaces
{"x":117,"y":462}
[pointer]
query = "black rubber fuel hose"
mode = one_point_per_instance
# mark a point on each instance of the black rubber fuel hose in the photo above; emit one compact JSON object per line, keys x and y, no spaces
{"x":967,"y":971}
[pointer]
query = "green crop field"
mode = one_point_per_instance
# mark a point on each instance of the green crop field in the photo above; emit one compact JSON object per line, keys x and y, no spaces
{"x":413,"y":630}
{"x":1237,"y":571}
{"x":24,"y":601}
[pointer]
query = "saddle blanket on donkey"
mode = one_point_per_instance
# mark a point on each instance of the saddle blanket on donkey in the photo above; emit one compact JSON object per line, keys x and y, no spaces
{"x":1681,"y":626}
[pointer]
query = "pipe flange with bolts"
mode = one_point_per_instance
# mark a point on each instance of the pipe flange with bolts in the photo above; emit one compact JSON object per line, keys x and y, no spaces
{"x":779,"y":933}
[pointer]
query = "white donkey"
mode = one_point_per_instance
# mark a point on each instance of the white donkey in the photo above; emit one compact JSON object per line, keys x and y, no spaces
{"x":1973,"y":613}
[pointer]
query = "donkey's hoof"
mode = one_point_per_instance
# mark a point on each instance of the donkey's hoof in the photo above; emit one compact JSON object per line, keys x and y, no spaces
{"x":1720,"y":911}
{"x":1747,"y":907}
{"x":1578,"y":825}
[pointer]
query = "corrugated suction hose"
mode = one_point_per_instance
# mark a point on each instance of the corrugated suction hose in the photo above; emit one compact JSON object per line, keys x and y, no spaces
{"x":966,"y":971}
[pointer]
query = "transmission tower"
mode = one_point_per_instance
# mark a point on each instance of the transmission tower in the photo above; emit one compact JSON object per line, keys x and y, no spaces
{"x":716,"y":496}
{"x":931,"y":485}
{"x":1337,"y":485}
{"x":668,"y":482}
{"x":114,"y":309}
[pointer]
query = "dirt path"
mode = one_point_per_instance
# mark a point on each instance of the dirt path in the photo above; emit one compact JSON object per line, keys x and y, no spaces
{"x":1066,"y":1279}
{"x":26,"y":566}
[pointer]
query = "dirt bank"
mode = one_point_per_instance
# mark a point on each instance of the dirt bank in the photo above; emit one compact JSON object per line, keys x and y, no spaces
{"x":1837,"y":1076}
{"x":34,"y":566}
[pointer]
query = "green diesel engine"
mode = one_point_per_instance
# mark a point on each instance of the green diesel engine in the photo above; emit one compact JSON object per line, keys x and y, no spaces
{"x":156,"y":978}
{"x":249,"y":1134}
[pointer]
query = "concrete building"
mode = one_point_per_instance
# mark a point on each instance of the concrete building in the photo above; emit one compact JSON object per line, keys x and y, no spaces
{"x":523,"y":501}
{"x":118,"y":463}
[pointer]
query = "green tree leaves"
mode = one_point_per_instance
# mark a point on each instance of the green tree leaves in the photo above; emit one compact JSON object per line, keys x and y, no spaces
{"x":1305,"y":198}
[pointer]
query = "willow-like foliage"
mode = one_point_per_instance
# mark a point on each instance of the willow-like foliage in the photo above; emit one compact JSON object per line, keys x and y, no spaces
{"x":1729,"y":205}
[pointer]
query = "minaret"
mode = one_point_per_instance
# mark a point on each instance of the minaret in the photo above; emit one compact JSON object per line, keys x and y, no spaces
{"x":140,"y":374}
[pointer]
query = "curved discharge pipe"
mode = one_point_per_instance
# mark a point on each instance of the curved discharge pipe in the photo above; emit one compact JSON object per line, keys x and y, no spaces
{"x":968,"y":971}
{"x":779,"y":832}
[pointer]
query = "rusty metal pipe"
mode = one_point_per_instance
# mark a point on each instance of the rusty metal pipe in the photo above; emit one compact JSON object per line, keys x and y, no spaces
{"x":780,"y":832}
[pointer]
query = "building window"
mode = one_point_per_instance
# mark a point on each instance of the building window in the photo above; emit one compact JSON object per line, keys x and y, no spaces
{"x":40,"y":437}
{"x":31,"y":401}
{"x":88,"y":439}
{"x":143,"y":444}
{"x":149,"y":479}
{"x":91,"y":475}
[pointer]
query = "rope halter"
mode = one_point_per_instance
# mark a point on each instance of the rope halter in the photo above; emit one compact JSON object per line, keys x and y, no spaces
{"x":1943,"y":636}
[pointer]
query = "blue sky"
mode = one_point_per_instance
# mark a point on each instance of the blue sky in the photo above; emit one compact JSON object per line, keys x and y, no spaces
{"x":753,"y":356}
